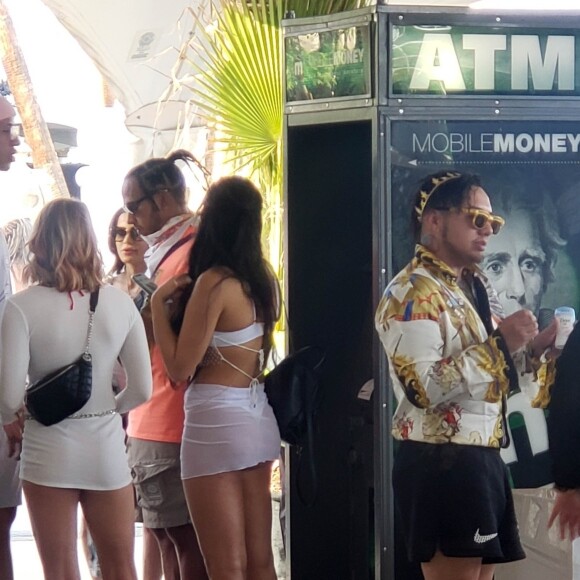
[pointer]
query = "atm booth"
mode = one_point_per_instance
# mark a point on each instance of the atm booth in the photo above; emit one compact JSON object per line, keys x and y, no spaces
{"x":376,"y":99}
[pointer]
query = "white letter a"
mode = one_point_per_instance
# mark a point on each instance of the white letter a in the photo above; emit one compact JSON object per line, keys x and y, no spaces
{"x":447,"y":70}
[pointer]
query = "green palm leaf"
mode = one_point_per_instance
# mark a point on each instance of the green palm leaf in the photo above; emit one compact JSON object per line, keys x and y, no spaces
{"x":237,"y":87}
{"x":238,"y":83}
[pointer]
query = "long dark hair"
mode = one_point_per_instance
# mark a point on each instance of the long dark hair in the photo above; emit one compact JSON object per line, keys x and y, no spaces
{"x":229,"y":236}
{"x":118,"y":266}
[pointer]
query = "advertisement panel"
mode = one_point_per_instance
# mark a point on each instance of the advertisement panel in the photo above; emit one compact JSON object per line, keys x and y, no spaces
{"x":328,"y":64}
{"x":531,"y":172}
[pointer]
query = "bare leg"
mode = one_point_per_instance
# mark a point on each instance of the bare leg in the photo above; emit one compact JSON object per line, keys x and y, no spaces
{"x":7,"y":516}
{"x":110,"y":516}
{"x":191,"y":564}
{"x":152,"y":568}
{"x":443,"y":568}
{"x":169,"y":561}
{"x":232,"y":515}
{"x":258,"y":517}
{"x":53,"y":514}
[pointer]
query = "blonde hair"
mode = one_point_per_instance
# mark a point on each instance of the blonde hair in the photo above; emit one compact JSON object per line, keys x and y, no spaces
{"x":63,"y":248}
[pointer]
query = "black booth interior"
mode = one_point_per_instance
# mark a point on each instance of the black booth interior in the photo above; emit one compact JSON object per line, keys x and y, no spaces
{"x":329,"y":280}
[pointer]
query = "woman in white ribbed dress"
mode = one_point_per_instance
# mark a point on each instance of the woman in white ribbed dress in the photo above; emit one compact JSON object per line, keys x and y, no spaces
{"x":81,"y":459}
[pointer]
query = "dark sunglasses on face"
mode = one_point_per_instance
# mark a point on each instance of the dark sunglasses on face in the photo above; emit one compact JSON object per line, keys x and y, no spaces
{"x":132,"y":206}
{"x":480,"y":218}
{"x":121,"y":233}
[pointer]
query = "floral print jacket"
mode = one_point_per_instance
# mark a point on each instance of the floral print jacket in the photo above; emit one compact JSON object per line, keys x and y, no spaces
{"x":450,"y":370}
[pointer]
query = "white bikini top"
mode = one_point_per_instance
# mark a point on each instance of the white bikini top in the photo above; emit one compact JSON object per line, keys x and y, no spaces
{"x":236,"y":338}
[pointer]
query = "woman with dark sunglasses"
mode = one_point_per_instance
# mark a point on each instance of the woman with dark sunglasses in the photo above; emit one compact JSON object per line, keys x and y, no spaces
{"x":128,"y":247}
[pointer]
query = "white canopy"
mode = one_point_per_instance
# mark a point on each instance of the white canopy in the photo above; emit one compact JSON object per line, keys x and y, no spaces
{"x":134,"y":43}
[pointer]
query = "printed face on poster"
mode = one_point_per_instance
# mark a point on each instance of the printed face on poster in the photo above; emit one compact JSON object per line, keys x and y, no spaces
{"x":531,"y":172}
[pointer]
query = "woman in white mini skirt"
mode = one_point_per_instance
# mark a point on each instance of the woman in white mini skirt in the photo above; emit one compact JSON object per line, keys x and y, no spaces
{"x":216,"y":324}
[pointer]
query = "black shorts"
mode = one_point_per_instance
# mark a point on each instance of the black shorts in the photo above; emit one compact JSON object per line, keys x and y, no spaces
{"x":455,"y":499}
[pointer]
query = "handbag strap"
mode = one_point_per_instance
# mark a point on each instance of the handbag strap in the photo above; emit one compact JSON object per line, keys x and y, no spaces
{"x":92,"y":307}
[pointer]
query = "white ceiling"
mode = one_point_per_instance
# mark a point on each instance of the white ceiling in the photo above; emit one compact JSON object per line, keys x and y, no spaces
{"x":110,"y":31}
{"x":134,"y":43}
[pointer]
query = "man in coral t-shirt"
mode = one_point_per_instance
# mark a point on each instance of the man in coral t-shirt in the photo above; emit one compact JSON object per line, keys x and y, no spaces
{"x":154,"y":195}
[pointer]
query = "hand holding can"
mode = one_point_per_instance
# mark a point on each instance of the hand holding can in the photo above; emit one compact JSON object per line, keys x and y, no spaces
{"x":566,"y":317}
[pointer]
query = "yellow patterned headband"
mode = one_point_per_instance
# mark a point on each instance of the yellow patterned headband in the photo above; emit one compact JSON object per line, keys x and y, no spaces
{"x":426,"y":195}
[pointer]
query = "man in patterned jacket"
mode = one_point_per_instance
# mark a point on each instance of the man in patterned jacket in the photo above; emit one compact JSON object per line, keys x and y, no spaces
{"x":453,"y":359}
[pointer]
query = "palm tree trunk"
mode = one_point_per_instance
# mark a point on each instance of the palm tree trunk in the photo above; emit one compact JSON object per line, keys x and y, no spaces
{"x":35,"y":129}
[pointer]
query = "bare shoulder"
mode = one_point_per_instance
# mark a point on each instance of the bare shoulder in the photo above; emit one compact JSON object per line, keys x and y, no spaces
{"x":218,"y":279}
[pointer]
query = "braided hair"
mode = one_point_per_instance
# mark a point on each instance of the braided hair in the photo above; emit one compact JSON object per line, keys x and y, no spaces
{"x":161,"y":173}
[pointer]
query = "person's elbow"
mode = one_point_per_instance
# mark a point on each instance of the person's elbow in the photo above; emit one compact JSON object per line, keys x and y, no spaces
{"x":180,"y":367}
{"x":179,"y":373}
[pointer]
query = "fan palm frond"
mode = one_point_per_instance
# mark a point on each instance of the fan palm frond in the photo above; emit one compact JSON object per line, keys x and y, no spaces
{"x":236,"y":84}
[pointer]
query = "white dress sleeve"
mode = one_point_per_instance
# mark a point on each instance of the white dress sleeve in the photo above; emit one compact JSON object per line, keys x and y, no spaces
{"x":14,"y":337}
{"x":5,"y":285}
{"x":136,"y":361}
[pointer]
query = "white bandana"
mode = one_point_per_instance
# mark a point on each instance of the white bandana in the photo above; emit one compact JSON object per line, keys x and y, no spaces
{"x":164,"y":239}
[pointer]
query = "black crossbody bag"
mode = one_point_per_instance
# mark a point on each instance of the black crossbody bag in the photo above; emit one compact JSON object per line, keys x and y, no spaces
{"x":67,"y":389}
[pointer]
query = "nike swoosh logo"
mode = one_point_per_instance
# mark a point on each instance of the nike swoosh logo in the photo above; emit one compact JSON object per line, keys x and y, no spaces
{"x":479,"y":539}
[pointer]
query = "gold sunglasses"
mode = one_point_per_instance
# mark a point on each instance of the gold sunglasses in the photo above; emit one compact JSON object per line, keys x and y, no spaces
{"x":480,"y":218}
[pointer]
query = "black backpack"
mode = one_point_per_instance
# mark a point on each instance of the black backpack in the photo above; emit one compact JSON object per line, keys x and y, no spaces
{"x":293,"y":391}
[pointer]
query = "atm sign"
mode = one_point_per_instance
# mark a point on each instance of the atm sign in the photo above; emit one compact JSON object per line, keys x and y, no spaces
{"x":459,"y":60}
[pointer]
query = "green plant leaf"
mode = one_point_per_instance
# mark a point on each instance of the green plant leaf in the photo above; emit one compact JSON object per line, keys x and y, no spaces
{"x":237,"y":87}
